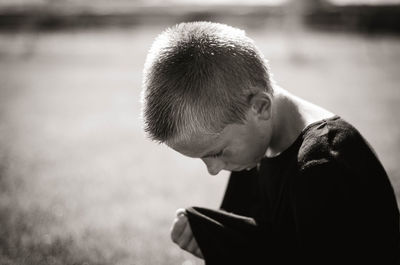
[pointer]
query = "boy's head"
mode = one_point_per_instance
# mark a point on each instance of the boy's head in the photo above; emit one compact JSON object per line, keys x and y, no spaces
{"x":201,"y":79}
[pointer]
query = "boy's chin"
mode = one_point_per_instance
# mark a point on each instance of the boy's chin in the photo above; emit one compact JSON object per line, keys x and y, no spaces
{"x":248,"y":168}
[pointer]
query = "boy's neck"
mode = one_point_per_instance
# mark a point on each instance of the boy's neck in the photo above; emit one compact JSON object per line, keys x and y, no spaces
{"x":290,"y":116}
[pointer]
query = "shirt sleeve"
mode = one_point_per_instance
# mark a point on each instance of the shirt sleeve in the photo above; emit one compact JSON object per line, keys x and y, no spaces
{"x":232,"y":235}
{"x":227,"y":238}
{"x":337,"y":221}
{"x":242,"y":193}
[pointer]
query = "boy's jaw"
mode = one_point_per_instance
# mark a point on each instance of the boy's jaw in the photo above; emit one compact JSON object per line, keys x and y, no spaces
{"x":241,"y":168}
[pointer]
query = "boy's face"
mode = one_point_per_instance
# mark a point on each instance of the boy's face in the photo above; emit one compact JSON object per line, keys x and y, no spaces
{"x":237,"y":147}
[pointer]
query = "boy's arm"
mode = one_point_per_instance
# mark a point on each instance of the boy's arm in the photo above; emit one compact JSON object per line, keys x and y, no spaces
{"x":227,"y":238}
{"x":242,"y":193}
{"x":345,"y":216}
{"x":223,"y":235}
{"x":231,"y":235}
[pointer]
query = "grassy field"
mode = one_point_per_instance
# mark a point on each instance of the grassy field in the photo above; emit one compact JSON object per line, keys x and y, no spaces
{"x":80,"y":184}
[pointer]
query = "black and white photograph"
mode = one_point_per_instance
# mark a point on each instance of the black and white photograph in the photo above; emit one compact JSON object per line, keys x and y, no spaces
{"x":199,"y":132}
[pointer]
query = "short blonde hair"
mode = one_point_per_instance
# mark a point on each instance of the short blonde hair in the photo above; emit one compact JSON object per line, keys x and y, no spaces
{"x":197,"y":78}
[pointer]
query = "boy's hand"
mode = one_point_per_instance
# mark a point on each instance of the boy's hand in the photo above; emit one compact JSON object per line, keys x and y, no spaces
{"x":182,"y":235}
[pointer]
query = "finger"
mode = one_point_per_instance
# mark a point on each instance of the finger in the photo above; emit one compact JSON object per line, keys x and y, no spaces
{"x":198,"y":253}
{"x":185,"y":237}
{"x":180,"y":212}
{"x":192,"y":246}
{"x":178,"y":227}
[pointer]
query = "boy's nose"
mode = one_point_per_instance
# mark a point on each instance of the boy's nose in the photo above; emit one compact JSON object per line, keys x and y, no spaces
{"x":214,"y":165}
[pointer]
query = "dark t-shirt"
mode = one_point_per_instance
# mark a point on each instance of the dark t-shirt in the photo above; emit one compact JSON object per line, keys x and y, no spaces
{"x":324,"y":200}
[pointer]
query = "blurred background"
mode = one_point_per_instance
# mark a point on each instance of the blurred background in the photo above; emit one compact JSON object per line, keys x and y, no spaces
{"x":80,"y":183}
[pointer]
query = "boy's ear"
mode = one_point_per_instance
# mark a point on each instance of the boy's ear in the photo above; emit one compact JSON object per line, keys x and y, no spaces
{"x":261,"y":104}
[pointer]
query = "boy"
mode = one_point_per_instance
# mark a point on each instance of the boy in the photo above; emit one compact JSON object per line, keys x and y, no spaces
{"x":305,"y":187}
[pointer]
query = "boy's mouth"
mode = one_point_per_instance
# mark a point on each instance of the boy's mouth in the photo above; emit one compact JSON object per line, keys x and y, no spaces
{"x":243,"y":168}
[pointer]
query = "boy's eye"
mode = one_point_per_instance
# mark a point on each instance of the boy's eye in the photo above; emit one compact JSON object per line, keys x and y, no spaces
{"x":217,"y":154}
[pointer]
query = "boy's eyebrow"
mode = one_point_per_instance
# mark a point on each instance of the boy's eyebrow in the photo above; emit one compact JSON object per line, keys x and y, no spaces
{"x":211,"y":153}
